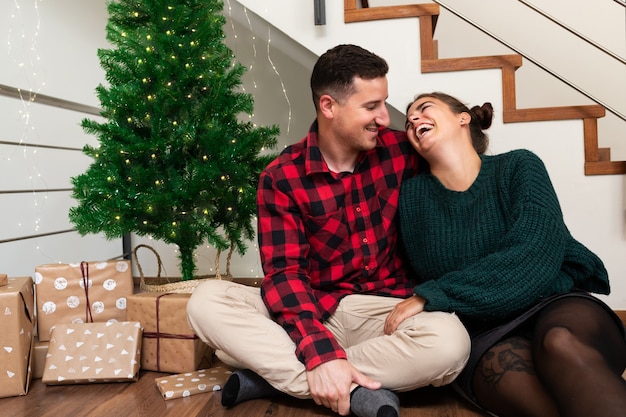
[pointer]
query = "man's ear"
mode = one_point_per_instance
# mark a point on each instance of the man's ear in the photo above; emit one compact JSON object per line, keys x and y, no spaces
{"x":327,"y":106}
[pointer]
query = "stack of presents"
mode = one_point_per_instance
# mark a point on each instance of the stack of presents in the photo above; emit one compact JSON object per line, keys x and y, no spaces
{"x":84,"y":323}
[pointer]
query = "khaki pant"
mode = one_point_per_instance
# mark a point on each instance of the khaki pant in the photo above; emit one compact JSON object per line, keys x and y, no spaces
{"x":430,"y":348}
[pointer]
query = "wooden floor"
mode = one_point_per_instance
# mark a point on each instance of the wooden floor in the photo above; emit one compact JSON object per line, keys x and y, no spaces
{"x":142,"y":399}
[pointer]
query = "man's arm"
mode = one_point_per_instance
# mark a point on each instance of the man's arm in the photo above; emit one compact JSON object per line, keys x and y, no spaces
{"x":286,"y":289}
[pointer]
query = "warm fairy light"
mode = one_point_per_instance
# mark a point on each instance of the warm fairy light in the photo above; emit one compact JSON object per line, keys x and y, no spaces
{"x":251,"y":66}
{"x":22,"y":37}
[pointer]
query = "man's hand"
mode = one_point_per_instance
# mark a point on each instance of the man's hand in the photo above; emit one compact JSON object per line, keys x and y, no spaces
{"x":330,"y":384}
{"x":402,"y":311}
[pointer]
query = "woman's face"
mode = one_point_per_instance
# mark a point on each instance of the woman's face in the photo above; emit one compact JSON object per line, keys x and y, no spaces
{"x":429,"y":122}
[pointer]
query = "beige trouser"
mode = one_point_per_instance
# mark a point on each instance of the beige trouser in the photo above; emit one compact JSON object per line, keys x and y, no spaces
{"x":430,"y":348}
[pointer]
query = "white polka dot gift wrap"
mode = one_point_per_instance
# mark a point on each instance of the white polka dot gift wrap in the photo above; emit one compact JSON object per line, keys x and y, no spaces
{"x":81,"y":293}
{"x":191,"y":383}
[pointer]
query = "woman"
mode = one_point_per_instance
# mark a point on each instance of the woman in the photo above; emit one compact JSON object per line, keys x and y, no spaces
{"x":486,"y":237}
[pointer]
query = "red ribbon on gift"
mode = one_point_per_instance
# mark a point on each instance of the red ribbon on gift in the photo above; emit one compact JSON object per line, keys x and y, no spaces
{"x":158,"y":335}
{"x":84,"y":270}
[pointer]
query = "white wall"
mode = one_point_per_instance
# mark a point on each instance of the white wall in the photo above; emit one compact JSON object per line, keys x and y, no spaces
{"x":47,"y":48}
{"x":593,"y":71}
{"x":67,"y":33}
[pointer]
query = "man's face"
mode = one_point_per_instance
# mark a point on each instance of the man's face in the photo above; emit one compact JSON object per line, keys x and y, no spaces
{"x":358,"y":118}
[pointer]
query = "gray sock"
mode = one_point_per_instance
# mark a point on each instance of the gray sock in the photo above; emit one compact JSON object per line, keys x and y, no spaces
{"x":365,"y":402}
{"x":245,"y":385}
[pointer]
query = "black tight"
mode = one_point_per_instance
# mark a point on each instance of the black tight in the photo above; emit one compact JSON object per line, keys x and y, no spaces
{"x":569,"y":364}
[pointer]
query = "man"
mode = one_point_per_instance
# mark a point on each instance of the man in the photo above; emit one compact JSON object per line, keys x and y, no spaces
{"x":327,"y":230}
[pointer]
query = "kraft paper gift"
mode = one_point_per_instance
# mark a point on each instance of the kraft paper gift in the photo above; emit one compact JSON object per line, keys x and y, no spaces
{"x":191,"y":383}
{"x":169,"y":344}
{"x":81,"y":293}
{"x":17,"y":327}
{"x":40,"y":351}
{"x":4,"y":280}
{"x":81,"y":353}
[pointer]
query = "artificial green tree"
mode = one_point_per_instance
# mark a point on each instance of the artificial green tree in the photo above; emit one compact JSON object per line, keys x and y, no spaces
{"x":175,"y":160}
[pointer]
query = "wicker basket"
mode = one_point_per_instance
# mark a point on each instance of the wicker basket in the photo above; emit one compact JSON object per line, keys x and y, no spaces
{"x":177,"y":285}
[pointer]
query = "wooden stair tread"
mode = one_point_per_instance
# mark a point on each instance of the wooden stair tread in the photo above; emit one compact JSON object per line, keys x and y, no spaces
{"x":605,"y":168}
{"x":471,"y":63}
{"x":553,"y":113}
{"x":390,"y":12}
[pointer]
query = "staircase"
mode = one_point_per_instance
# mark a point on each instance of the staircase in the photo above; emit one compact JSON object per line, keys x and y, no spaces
{"x":597,"y":160}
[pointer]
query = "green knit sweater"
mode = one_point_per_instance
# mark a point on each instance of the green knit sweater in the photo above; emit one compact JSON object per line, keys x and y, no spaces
{"x":499,"y":247}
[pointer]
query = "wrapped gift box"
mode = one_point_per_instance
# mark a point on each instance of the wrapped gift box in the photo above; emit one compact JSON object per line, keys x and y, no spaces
{"x":17,"y":326}
{"x":81,"y":353}
{"x":191,"y":383}
{"x":169,"y":344}
{"x":4,"y":280}
{"x":40,"y":351}
{"x":81,"y":293}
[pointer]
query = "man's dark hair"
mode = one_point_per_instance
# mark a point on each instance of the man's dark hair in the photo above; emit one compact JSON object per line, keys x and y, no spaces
{"x":335,"y":70}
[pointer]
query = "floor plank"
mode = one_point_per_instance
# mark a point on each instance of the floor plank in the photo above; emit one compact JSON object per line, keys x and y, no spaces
{"x":142,"y":399}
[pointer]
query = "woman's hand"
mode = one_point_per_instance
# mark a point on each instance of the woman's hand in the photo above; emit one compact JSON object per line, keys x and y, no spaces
{"x":402,"y":311}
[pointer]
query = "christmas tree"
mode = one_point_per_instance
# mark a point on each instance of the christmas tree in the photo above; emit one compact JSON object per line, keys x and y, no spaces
{"x":175,"y":161}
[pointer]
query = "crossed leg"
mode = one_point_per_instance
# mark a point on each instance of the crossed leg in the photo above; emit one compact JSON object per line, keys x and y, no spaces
{"x":570,"y":366}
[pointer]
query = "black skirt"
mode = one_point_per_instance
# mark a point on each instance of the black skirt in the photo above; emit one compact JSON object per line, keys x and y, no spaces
{"x":484,"y":339}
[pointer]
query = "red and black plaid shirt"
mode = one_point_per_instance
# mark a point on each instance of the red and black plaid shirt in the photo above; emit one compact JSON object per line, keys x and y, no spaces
{"x":324,"y":235}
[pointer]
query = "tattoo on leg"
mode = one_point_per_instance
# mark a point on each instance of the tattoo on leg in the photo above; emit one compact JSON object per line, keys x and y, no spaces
{"x":511,"y":355}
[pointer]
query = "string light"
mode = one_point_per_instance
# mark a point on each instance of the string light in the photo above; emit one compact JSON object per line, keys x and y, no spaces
{"x":22,"y":38}
{"x":269,"y":58}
